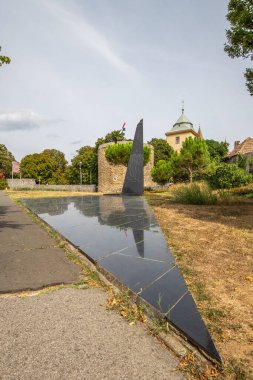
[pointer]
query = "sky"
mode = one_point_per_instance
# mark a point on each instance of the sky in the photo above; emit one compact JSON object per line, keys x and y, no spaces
{"x":81,"y":68}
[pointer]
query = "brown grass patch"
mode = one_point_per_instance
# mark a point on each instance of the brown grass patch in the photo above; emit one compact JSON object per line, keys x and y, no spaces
{"x":213,"y":246}
{"x":22,"y":194}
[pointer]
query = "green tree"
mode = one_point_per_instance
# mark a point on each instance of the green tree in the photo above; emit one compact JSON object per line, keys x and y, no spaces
{"x":217,"y":150}
{"x":242,"y":161}
{"x":6,"y":159}
{"x":4,"y":59}
{"x":194,"y":157}
{"x":38,"y":166}
{"x":250,"y":165}
{"x":60,"y":165}
{"x":162,"y":172}
{"x":48,"y":167}
{"x":229,"y":175}
{"x":86,"y":158}
{"x":114,"y":136}
{"x":162,"y":150}
{"x":240,"y":35}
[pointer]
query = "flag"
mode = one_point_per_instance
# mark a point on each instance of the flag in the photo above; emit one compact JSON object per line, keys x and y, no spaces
{"x":15,"y":167}
{"x":123,"y":127}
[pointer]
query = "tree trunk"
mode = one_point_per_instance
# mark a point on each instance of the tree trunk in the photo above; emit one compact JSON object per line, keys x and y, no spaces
{"x":190,"y":174}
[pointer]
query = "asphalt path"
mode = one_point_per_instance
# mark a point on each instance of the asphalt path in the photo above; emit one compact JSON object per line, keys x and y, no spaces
{"x":29,"y":257}
{"x":69,"y":334}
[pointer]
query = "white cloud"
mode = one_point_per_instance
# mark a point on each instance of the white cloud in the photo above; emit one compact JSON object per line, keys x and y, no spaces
{"x":89,"y":36}
{"x":23,"y":120}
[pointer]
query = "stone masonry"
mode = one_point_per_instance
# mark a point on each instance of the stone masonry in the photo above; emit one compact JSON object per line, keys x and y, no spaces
{"x":26,"y":183}
{"x":111,"y":177}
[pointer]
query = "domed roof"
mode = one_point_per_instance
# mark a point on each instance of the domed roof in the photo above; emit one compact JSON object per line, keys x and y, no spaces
{"x":182,"y":124}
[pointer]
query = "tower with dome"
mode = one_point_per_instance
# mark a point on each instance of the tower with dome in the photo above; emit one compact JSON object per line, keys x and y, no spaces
{"x":182,"y":129}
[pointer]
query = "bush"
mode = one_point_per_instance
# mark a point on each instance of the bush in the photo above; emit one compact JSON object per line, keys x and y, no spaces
{"x":161,"y":172}
{"x":3,"y":184}
{"x":229,"y":175}
{"x":119,"y":154}
{"x":194,"y":193}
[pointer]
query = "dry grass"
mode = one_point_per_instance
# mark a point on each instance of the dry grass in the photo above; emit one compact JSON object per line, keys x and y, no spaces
{"x":22,"y":194}
{"x":213,"y":247}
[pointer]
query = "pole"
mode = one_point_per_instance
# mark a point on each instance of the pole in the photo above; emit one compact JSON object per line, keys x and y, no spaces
{"x":80,"y":163}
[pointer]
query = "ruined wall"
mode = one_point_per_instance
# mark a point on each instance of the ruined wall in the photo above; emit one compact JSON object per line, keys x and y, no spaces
{"x":111,"y":177}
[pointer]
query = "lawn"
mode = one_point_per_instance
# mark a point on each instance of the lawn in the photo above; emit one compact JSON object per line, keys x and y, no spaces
{"x":213,"y":246}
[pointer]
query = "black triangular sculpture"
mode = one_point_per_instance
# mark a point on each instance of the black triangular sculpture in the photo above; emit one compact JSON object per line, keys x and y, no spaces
{"x":134,"y":180}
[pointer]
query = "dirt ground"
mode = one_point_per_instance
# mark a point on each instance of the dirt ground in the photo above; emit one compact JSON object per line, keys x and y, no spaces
{"x":213,"y":246}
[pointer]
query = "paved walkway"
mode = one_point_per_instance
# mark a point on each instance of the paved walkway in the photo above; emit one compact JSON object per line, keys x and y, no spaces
{"x":28,"y":256}
{"x":69,"y":335}
{"x":66,"y":334}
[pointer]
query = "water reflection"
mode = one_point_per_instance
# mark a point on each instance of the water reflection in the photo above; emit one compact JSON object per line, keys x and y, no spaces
{"x":73,"y":216}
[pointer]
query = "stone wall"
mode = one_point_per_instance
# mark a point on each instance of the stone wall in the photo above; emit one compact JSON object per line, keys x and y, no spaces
{"x":111,"y":177}
{"x":21,"y":183}
{"x":30,"y":184}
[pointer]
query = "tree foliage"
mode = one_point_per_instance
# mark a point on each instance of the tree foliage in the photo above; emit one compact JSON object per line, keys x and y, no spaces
{"x":240,"y":35}
{"x":37,"y":166}
{"x":193,"y":158}
{"x":86,"y":159}
{"x":48,"y":167}
{"x":162,"y":172}
{"x":58,"y":157}
{"x":60,"y":164}
{"x":119,"y":154}
{"x":217,"y":150}
{"x":242,"y":161}
{"x":114,"y":136}
{"x":229,"y":175}
{"x":162,"y":150}
{"x":6,"y":159}
{"x":192,"y":161}
{"x":4,"y":59}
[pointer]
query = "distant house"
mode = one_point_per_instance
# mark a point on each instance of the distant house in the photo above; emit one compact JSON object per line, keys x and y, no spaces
{"x":244,"y":149}
{"x":182,"y":129}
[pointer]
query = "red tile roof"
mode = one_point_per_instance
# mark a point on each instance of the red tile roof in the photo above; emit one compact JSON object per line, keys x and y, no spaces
{"x":245,"y":147}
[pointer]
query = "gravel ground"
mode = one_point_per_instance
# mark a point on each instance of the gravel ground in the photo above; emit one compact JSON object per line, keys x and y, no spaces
{"x":69,"y":334}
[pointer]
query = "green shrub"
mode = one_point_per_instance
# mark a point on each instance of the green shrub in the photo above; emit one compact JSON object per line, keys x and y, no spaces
{"x":229,"y":175}
{"x":194,"y":193}
{"x":161,"y":172}
{"x":119,"y":154}
{"x":3,"y":184}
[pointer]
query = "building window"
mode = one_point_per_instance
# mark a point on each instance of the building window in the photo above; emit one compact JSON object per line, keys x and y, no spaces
{"x":178,"y":140}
